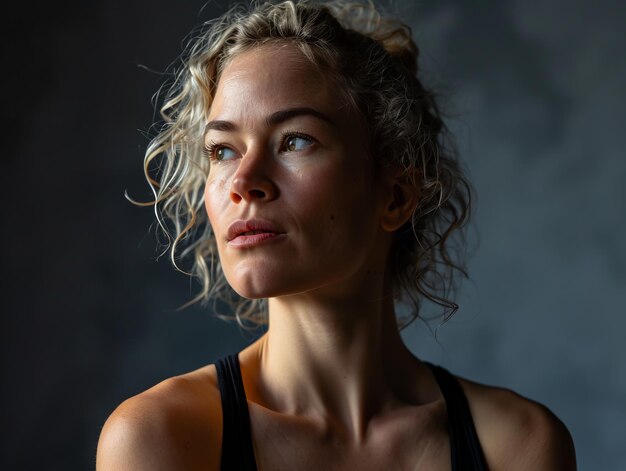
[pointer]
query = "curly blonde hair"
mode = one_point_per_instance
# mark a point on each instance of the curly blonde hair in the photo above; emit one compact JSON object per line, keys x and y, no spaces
{"x":373,"y":59}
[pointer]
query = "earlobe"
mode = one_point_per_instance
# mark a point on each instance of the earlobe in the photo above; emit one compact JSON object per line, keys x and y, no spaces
{"x":401,"y":203}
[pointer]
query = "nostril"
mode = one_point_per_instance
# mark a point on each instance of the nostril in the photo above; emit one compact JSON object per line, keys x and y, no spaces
{"x":245,"y":187}
{"x":257,"y":194}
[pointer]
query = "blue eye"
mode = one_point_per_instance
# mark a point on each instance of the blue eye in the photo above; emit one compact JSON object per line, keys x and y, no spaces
{"x":224,"y":153}
{"x":294,"y":143}
{"x":219,"y":152}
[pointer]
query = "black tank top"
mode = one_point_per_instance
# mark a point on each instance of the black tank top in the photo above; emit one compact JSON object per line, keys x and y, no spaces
{"x":238,"y":452}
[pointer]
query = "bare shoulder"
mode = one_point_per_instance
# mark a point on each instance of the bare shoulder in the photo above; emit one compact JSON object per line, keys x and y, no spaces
{"x":516,"y":432}
{"x":174,"y":425}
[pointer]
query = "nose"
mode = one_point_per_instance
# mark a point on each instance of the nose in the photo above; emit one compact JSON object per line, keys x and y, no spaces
{"x":252,"y":180}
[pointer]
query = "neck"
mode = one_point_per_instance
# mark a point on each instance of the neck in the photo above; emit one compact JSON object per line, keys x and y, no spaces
{"x":339,"y":360}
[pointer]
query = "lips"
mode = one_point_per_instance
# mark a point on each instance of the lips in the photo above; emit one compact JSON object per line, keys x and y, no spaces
{"x":252,"y":228}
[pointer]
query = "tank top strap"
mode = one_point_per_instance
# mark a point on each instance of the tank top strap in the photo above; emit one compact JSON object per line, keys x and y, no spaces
{"x":238,"y":451}
{"x":466,"y":452}
{"x":237,"y":447}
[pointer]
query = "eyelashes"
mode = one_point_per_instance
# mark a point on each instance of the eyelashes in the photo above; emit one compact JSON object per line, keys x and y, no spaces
{"x":212,"y":150}
{"x":217,"y":151}
{"x":208,"y":149}
{"x":290,"y":138}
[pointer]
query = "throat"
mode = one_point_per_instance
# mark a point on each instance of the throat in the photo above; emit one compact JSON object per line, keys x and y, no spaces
{"x":340,"y":379}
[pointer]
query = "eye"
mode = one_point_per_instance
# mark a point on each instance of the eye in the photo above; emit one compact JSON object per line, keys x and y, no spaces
{"x":295,"y":142}
{"x":224,"y":153}
{"x":219,"y":152}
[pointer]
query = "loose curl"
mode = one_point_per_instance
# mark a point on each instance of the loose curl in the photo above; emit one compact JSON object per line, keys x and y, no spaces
{"x":373,"y":60}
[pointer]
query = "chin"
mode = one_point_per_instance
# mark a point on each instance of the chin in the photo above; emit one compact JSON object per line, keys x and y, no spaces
{"x":266,"y":284}
{"x":257,"y":285}
{"x":257,"y":292}
{"x":271,"y":280}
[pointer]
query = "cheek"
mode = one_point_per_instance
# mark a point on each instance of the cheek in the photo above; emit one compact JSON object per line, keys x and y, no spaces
{"x":337,"y":203}
{"x":216,"y":198}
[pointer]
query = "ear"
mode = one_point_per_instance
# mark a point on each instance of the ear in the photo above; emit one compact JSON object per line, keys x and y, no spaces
{"x":402,"y":194}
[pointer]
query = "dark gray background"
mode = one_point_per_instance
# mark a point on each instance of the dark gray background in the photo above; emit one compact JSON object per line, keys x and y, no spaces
{"x":537,"y":91}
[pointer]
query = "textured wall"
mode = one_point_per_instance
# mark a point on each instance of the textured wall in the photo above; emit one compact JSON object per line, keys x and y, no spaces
{"x":539,"y":91}
{"x":538,"y":98}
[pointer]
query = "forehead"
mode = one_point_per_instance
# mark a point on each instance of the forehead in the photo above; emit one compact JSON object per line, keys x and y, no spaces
{"x":271,"y":77}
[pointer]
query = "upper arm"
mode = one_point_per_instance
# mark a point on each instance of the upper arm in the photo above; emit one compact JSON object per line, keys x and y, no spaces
{"x":545,"y":444}
{"x":175,"y":425}
{"x":133,"y":440}
{"x":517,"y":433}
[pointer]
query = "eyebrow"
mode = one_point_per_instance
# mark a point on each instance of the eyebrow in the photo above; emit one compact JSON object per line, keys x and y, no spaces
{"x":272,"y":120}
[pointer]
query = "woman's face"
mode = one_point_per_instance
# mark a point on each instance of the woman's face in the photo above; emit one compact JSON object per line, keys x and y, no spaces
{"x":290,"y":194}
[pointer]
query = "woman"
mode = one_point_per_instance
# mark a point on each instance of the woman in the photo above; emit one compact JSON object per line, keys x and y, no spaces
{"x":303,"y":161}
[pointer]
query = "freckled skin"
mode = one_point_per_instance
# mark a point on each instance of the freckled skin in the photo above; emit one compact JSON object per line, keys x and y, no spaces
{"x":301,"y":188}
{"x":330,"y":385}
